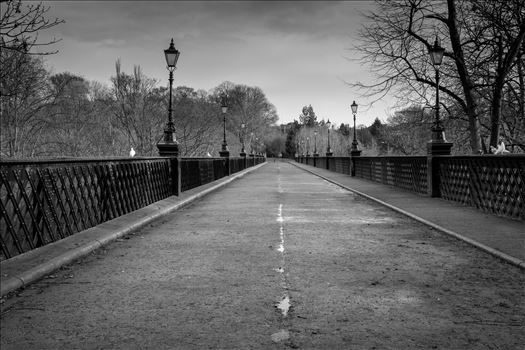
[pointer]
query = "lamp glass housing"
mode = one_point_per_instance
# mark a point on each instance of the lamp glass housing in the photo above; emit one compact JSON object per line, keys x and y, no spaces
{"x":172,"y":55}
{"x":436,"y":53}
{"x":354,"y":107}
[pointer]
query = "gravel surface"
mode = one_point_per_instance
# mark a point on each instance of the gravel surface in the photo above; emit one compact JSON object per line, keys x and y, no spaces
{"x":279,"y":259}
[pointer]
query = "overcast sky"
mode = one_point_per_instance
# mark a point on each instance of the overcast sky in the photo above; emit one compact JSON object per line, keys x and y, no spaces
{"x":296,"y":52}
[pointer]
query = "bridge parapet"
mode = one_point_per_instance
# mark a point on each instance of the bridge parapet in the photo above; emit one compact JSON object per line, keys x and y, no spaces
{"x":492,"y":183}
{"x":47,"y":200}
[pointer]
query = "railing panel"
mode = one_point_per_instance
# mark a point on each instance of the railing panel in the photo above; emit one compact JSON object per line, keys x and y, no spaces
{"x":44,"y":201}
{"x":493,"y":184}
{"x":409,"y":173}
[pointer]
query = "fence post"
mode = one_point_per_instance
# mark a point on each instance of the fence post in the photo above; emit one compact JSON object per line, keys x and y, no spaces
{"x":176,"y":178}
{"x":353,"y":154}
{"x":245,"y":162}
{"x":384,"y":171}
{"x":434,"y":150}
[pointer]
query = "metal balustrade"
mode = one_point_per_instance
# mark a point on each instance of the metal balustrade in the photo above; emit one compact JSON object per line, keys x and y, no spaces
{"x":492,"y":183}
{"x":47,"y":200}
{"x":409,"y":173}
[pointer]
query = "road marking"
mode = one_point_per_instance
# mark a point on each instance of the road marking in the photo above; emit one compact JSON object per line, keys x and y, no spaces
{"x":284,"y":303}
{"x":283,"y":334}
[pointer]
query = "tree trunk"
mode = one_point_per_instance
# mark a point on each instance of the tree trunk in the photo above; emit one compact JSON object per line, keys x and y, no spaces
{"x":466,"y":83}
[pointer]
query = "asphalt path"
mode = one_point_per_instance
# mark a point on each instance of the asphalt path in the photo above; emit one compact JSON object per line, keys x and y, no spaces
{"x":278,"y":259}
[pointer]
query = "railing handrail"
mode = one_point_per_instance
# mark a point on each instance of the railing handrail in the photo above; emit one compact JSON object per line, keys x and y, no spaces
{"x":97,"y":160}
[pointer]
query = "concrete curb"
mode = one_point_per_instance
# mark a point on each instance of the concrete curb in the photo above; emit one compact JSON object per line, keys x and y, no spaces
{"x":107,"y":232}
{"x":499,"y":254}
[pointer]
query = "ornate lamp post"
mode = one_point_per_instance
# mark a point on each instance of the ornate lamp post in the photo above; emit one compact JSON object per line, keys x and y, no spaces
{"x":328,"y":149}
{"x":315,"y":144}
{"x":251,"y":144}
{"x":243,"y":128}
{"x":224,"y":150}
{"x":353,"y":150}
{"x":438,"y":144}
{"x":168,"y":146}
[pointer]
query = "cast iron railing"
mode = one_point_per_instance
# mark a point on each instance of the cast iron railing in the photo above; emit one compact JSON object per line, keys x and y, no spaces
{"x":492,"y":183}
{"x":409,"y":173}
{"x":44,"y":201}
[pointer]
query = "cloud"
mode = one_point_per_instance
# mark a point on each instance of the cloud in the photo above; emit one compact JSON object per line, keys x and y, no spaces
{"x":234,"y":19}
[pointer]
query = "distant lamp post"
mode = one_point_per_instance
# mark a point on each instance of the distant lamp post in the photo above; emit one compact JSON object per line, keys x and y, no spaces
{"x":302,"y":147}
{"x":353,"y":150}
{"x":243,"y":128}
{"x":315,"y":144}
{"x":328,"y":149}
{"x":224,"y":149}
{"x":251,"y":144}
{"x":168,"y":146}
{"x":438,"y":143}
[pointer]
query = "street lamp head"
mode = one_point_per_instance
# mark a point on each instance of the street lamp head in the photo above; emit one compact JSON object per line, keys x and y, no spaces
{"x":243,"y":126}
{"x":224,"y":105}
{"x":315,"y":132}
{"x":172,"y":56}
{"x":436,"y":53}
{"x":328,"y":124}
{"x":354,"y":107}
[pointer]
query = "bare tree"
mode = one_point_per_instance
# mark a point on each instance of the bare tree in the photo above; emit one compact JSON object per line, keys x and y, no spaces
{"x":22,"y":109}
{"x":137,"y":105}
{"x":20,"y":25}
{"x":247,"y":105}
{"x":196,"y":121}
{"x":396,"y":40}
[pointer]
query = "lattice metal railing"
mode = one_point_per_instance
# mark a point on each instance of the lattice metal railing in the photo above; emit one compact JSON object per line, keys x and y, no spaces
{"x":494,"y":184}
{"x":237,"y":164}
{"x":409,"y":173}
{"x":341,"y":165}
{"x":44,"y":201}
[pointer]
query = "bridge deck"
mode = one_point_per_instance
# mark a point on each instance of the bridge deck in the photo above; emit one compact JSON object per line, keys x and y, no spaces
{"x":280,"y":258}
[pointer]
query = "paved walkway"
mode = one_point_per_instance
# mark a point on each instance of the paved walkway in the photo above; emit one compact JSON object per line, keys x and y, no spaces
{"x":277,"y":259}
{"x":502,"y":237}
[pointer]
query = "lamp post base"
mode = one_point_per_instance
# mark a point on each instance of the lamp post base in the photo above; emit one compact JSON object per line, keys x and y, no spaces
{"x":224,"y":153}
{"x":329,"y":154}
{"x":168,"y":148}
{"x":439,"y":148}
